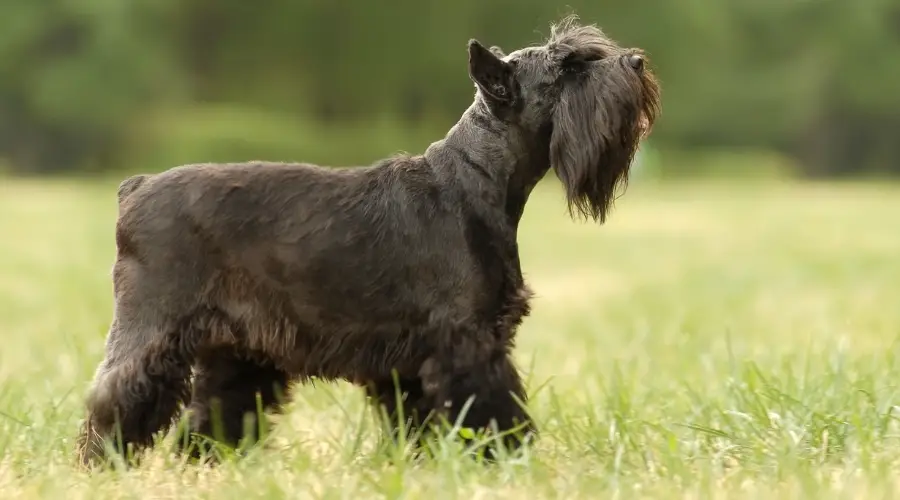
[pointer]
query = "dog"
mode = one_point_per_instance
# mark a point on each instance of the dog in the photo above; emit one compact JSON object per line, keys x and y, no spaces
{"x":233,"y":281}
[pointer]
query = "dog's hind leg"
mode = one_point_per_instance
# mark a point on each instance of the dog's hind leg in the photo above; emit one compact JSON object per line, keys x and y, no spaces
{"x":136,"y":391}
{"x":224,"y":404}
{"x":144,"y":377}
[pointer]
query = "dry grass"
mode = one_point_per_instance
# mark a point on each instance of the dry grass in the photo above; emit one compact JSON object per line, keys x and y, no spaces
{"x":711,"y":340}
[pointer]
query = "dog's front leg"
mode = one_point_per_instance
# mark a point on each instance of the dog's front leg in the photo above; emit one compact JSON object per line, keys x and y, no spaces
{"x":485,"y":393}
{"x":400,"y":406}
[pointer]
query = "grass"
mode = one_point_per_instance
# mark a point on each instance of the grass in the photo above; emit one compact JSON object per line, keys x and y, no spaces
{"x":712,"y":340}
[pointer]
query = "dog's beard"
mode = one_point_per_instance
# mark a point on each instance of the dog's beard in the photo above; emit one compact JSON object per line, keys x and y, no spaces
{"x":597,"y":127}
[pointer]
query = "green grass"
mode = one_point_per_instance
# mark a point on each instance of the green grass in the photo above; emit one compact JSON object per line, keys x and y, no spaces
{"x":712,"y":340}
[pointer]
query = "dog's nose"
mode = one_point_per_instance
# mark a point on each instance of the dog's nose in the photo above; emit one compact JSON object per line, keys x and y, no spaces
{"x":636,"y":62}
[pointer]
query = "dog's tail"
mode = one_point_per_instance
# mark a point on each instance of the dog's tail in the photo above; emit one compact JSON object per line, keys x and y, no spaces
{"x":129,"y":185}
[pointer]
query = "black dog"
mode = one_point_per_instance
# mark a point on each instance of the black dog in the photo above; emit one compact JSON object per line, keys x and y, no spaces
{"x":257,"y":274}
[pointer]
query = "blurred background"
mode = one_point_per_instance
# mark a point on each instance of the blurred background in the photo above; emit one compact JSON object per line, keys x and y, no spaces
{"x":803,"y":87}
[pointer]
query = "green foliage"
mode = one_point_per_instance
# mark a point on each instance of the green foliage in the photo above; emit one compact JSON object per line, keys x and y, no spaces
{"x":814,"y":80}
{"x":76,"y":73}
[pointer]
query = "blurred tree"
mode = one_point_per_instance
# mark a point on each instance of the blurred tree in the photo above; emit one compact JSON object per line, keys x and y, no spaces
{"x":87,"y":80}
{"x":77,"y":73}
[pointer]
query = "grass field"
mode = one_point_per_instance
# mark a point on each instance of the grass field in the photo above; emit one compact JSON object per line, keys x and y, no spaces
{"x":712,"y":340}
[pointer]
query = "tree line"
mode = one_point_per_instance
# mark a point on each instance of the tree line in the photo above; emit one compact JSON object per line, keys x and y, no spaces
{"x":100,"y":84}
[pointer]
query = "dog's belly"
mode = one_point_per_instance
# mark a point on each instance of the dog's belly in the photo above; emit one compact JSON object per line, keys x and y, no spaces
{"x":326,"y":331}
{"x":353,"y":303}
{"x":309,"y":345}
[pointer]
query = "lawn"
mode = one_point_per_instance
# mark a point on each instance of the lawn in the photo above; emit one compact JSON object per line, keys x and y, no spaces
{"x":711,"y":340}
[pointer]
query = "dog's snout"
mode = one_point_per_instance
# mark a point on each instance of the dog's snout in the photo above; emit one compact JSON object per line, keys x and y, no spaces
{"x":636,"y":62}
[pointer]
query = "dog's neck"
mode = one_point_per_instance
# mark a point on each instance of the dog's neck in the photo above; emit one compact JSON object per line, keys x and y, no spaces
{"x":498,"y":164}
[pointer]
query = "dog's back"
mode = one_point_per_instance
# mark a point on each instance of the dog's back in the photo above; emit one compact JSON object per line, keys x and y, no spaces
{"x":338,"y":231}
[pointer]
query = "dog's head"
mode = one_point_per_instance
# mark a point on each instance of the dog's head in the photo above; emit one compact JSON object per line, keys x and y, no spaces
{"x":590,"y":99}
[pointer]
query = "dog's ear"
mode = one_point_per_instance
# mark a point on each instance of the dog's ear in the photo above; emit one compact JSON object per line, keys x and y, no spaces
{"x":591,"y":148}
{"x":497,"y":51}
{"x":493,"y":76}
